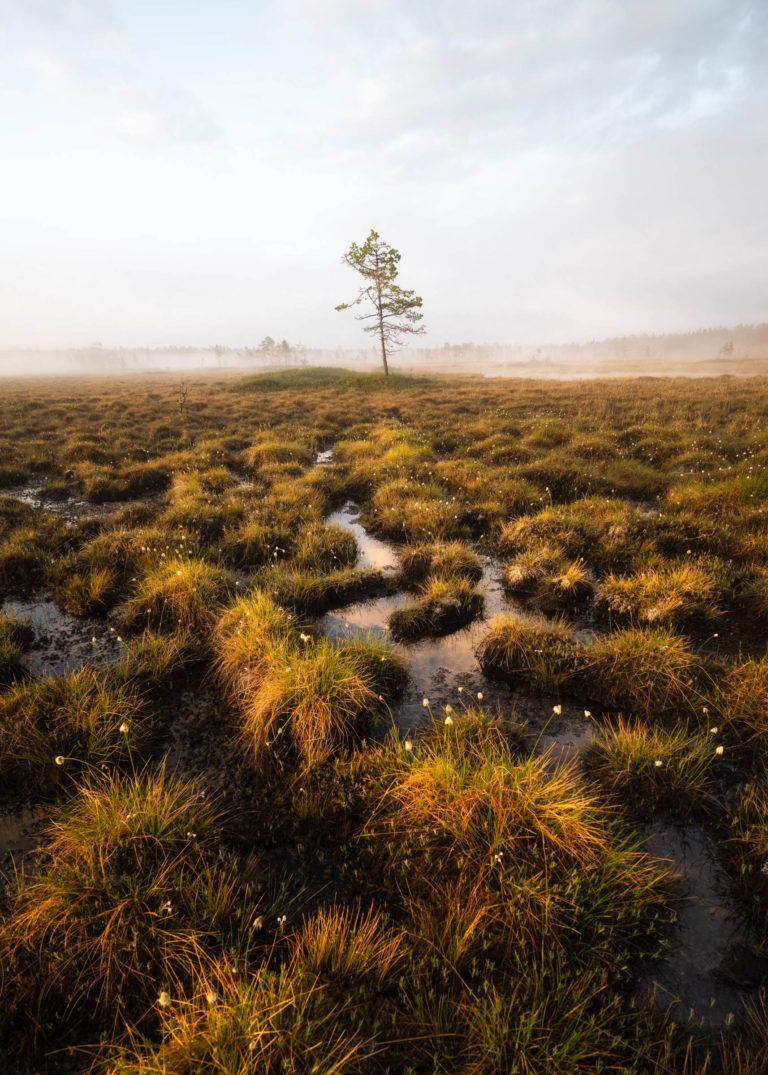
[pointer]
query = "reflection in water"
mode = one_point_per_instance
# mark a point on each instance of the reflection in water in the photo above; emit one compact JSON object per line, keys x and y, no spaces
{"x":372,"y":553}
{"x":445,"y":669}
{"x":62,"y":642}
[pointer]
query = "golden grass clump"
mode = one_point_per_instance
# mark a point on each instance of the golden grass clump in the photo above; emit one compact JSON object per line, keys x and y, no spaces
{"x":648,"y":767}
{"x":484,"y":801}
{"x":312,"y":592}
{"x":256,"y":543}
{"x":15,"y":636}
{"x":76,"y":717}
{"x":650,"y":672}
{"x":743,"y":701}
{"x":131,"y":898}
{"x":294,"y":689}
{"x":325,"y":548}
{"x":313,"y":1014}
{"x":442,"y":559}
{"x":551,"y":581}
{"x":177,"y":594}
{"x":665,"y":596}
{"x":339,"y":944}
{"x":314,"y":697}
{"x":247,"y":632}
{"x":529,"y":651}
{"x":22,"y":561}
{"x":444,"y":604}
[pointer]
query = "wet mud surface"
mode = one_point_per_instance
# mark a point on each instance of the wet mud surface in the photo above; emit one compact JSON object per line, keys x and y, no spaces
{"x":21,"y":833}
{"x":714,"y":955}
{"x":62,"y":642}
{"x":73,"y":508}
{"x":196,"y":741}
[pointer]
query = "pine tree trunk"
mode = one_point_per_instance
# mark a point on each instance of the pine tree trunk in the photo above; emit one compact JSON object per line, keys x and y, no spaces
{"x":381,"y":319}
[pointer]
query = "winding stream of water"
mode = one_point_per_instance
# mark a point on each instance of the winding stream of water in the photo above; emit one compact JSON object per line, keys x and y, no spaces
{"x":699,"y":979}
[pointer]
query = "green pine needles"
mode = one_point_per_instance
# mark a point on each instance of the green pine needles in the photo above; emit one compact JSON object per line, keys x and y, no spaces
{"x":396,"y":312}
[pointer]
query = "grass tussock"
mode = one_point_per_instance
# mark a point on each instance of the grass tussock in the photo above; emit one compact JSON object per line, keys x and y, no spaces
{"x":131,"y":894}
{"x":650,"y":672}
{"x":315,"y":698}
{"x":54,"y":728}
{"x":748,"y":845}
{"x":549,"y":580}
{"x":666,"y":597}
{"x":309,"y":1015}
{"x":530,"y":652}
{"x":442,"y":559}
{"x":295,"y":691}
{"x":15,"y":636}
{"x":178,"y":594}
{"x":743,"y":701}
{"x":444,"y":604}
{"x":649,"y":768}
{"x":311,"y":593}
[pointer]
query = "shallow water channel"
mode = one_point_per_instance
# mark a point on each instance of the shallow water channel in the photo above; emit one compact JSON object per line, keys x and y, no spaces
{"x":72,"y":508}
{"x":699,"y":979}
{"x":445,"y":670}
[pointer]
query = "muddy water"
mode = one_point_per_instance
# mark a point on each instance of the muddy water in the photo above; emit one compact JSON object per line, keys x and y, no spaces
{"x":445,"y":670}
{"x":62,"y":642}
{"x":72,"y":508}
{"x":701,"y":980}
{"x":372,"y":553}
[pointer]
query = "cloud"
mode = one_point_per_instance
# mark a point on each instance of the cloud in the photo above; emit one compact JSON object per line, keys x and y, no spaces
{"x":508,"y":77}
{"x":84,"y":60}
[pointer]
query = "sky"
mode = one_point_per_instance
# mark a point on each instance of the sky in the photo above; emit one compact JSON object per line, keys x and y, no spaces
{"x":550,"y":170}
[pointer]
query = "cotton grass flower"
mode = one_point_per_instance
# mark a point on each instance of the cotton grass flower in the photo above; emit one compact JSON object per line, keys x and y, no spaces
{"x":425,"y":702}
{"x":557,"y":710}
{"x":211,"y":997}
{"x":60,"y":759}
{"x":123,"y":729}
{"x":164,"y":1000}
{"x":658,"y":763}
{"x":719,"y":750}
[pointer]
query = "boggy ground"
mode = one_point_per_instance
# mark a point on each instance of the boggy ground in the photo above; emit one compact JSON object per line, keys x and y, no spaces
{"x":410,"y":727}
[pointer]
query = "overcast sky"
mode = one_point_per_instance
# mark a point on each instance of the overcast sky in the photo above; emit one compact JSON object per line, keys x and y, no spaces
{"x":550,"y":170}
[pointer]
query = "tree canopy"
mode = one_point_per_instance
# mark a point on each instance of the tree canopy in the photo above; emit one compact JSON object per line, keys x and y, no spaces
{"x":396,"y":311}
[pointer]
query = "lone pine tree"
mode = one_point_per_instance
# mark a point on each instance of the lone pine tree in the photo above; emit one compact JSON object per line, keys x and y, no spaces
{"x":396,"y":312}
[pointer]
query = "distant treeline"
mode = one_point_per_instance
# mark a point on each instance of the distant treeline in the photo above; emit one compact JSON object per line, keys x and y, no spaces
{"x":741,"y":341}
